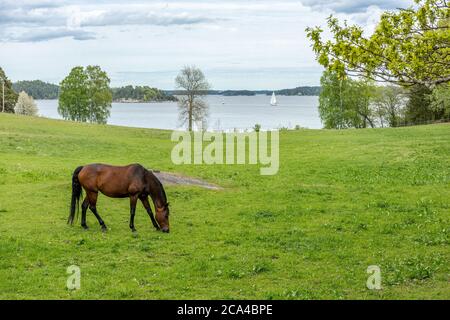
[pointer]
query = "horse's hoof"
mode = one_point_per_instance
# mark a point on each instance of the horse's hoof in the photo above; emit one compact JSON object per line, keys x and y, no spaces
{"x":104,"y":229}
{"x":85,"y":227}
{"x":133,"y":230}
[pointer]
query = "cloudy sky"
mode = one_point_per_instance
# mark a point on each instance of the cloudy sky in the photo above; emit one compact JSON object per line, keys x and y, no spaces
{"x":238,"y":44}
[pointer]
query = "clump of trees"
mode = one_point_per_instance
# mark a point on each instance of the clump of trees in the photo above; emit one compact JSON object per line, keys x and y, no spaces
{"x":388,"y":105}
{"x":191,"y":104}
{"x":85,"y":95}
{"x":8,"y":97}
{"x":345,"y":103}
{"x":361,"y":103}
{"x":410,"y":50}
{"x":38,"y":89}
{"x":440,"y":100}
{"x":140,"y":94}
{"x":352,"y":103}
{"x":25,"y":105}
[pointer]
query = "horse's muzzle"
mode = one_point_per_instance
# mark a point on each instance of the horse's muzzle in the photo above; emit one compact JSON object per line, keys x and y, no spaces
{"x":165,"y":230}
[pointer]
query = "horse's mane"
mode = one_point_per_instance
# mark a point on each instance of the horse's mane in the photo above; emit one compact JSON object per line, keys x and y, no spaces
{"x":161,"y":187}
{"x":163,"y":192}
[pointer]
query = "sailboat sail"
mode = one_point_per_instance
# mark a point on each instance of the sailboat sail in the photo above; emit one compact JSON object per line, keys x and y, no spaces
{"x":273,"y":101}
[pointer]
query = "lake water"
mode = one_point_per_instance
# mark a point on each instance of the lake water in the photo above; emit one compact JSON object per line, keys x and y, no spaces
{"x":225,"y":113}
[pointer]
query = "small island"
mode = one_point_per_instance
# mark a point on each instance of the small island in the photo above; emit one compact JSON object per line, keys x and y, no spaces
{"x":139,"y":94}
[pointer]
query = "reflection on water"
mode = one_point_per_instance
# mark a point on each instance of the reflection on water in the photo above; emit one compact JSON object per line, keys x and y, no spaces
{"x":225,"y":113}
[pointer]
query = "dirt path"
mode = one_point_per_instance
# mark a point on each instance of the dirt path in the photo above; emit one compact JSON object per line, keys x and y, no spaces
{"x":176,"y":179}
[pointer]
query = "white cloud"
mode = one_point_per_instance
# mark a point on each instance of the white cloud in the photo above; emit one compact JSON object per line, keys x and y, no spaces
{"x":38,"y":16}
{"x":353,"y":6}
{"x":45,"y":34}
{"x":138,"y":17}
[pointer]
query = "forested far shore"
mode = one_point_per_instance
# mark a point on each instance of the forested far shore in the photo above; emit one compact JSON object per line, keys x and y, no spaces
{"x":37,"y":89}
{"x":41,"y":90}
{"x":298,"y":91}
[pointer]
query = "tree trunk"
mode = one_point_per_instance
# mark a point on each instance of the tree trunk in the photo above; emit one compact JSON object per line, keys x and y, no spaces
{"x":190,"y":114}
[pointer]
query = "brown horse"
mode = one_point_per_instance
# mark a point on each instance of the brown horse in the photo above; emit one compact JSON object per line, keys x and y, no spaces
{"x":133,"y":181}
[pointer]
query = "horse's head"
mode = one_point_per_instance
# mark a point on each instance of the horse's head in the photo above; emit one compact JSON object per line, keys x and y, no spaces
{"x":162,"y":216}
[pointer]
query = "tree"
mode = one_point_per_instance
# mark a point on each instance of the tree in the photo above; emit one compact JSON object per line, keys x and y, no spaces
{"x":85,"y":95}
{"x":345,"y":103}
{"x":440,"y":100}
{"x":418,"y":108}
{"x":192,"y":106}
{"x":100,"y":94}
{"x":359,"y":97}
{"x":409,"y":46}
{"x":331,"y":103}
{"x":9,"y":94}
{"x":389,"y":102}
{"x":25,"y":105}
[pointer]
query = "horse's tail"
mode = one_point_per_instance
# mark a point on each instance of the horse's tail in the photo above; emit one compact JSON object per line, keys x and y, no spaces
{"x":76,"y":195}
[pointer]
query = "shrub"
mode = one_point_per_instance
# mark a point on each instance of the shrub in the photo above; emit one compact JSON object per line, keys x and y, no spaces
{"x":25,"y":105}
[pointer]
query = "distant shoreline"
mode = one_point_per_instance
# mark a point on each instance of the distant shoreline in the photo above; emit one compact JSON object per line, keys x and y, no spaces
{"x":215,"y":95}
{"x":40,"y":90}
{"x":140,"y":101}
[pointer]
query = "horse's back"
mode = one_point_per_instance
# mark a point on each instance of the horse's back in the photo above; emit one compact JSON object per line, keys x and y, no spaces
{"x":101,"y":168}
{"x":115,"y":181}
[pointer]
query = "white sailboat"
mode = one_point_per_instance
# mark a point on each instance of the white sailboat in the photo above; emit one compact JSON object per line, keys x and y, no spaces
{"x":273,"y":101}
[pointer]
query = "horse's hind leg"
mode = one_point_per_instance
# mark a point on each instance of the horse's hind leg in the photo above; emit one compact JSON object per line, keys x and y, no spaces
{"x":84,"y":208}
{"x":149,"y":211}
{"x":93,"y":206}
{"x":133,"y":201}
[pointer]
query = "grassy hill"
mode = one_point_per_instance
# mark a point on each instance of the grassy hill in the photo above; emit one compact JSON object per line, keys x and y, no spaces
{"x":342,"y":201}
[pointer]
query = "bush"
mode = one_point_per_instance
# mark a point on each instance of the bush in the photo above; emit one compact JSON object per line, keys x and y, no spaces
{"x":25,"y":105}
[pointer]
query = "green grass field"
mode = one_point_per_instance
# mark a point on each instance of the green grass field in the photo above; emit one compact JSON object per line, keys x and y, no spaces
{"x":342,"y":200}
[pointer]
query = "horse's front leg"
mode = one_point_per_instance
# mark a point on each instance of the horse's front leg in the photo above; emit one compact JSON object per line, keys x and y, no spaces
{"x":149,"y":211}
{"x":133,"y":201}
